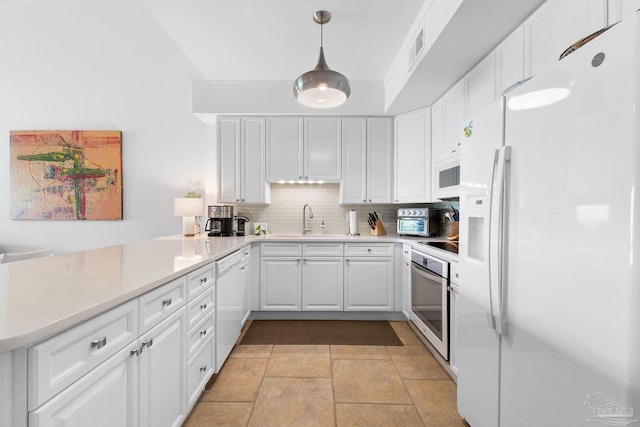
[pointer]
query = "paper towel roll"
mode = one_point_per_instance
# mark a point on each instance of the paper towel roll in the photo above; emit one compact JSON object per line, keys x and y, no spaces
{"x":353,"y":223}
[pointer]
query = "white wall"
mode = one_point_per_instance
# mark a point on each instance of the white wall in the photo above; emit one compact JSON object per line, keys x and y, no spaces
{"x":101,"y":64}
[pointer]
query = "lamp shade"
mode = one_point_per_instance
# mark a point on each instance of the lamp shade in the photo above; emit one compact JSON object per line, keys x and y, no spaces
{"x":187,"y":206}
{"x":321,"y":87}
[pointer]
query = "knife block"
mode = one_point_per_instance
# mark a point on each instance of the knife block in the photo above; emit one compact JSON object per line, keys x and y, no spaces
{"x":379,"y":230}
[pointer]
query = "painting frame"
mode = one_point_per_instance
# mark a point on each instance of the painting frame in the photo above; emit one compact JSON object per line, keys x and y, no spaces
{"x":66,"y":175}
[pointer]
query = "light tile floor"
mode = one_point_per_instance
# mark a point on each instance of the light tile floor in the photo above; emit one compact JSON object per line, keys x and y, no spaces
{"x":330,"y":385}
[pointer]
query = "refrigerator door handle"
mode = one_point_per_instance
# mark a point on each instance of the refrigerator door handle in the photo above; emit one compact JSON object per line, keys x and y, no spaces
{"x":491,"y":319}
{"x":497,"y":238}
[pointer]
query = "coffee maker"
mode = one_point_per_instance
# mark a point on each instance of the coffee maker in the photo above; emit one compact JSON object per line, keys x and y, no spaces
{"x":220,"y":222}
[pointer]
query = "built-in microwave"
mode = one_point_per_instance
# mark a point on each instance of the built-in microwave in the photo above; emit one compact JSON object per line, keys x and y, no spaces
{"x":446,"y":178}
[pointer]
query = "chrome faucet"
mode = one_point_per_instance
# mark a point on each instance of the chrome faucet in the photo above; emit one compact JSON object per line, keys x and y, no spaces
{"x":305,"y":230}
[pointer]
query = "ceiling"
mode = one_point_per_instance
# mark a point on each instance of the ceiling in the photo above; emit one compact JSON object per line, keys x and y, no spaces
{"x":277,"y":40}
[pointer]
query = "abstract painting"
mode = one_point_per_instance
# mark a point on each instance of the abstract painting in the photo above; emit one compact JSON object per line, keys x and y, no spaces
{"x":66,"y":174}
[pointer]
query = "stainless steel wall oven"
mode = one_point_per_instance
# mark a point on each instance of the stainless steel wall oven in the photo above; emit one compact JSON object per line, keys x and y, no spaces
{"x":430,"y":299}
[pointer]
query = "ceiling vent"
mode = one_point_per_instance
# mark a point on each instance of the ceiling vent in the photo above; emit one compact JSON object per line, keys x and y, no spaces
{"x":416,"y":48}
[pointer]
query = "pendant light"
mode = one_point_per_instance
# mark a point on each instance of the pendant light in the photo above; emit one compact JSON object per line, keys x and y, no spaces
{"x":321,"y":87}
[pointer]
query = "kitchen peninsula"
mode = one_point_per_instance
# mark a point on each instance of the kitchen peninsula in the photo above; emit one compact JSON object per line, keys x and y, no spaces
{"x":88,"y":327}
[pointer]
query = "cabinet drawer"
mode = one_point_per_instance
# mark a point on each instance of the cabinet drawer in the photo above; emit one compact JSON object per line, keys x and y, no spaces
{"x":368,"y":249}
{"x":200,"y":307}
{"x":201,"y":333}
{"x":281,"y":249}
{"x":56,"y":363}
{"x":199,"y":370}
{"x":228,"y":262}
{"x":322,"y":249}
{"x":160,"y":303}
{"x":199,"y":280}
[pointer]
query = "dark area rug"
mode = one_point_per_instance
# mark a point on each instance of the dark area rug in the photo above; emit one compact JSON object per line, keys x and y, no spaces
{"x":336,"y":332}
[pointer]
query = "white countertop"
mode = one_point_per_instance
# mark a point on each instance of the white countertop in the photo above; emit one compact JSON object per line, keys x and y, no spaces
{"x":44,"y":296}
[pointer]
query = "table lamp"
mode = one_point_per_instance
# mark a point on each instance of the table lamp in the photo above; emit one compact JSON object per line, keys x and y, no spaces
{"x":188,"y":208}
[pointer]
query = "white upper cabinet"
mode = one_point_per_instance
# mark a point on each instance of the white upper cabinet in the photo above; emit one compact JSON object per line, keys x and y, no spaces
{"x":480,"y":86}
{"x":241,"y":160}
{"x":367,"y":154}
{"x":558,"y":24}
{"x":413,"y":157}
{"x":303,"y":149}
{"x":284,"y":148}
{"x":448,"y":114}
{"x":322,"y":149}
{"x":509,"y":62}
{"x":228,"y":158}
{"x":253,"y":184}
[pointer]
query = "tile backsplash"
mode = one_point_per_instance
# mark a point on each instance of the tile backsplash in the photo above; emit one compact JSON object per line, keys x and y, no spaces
{"x":284,"y":214}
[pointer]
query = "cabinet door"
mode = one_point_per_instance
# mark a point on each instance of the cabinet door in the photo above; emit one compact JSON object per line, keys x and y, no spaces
{"x":105,"y":397}
{"x":322,"y":284}
{"x":557,"y":25}
{"x":453,"y":330}
{"x":162,"y":373}
{"x":284,"y":148}
{"x":322,"y":149}
{"x":406,"y":281}
{"x":280,"y":284}
{"x":379,"y":160}
{"x":413,"y":157}
{"x":509,"y":61}
{"x":437,"y":131}
{"x":229,"y":295}
{"x":228,"y":158}
{"x":252,"y":169}
{"x":245,"y":280}
{"x":368,"y":284}
{"x":480,"y":85}
{"x":453,"y":114}
{"x":200,"y":368}
{"x":353,"y":186}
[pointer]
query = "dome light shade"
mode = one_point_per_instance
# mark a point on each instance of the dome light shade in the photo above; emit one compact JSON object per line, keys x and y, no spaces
{"x":321,"y":87}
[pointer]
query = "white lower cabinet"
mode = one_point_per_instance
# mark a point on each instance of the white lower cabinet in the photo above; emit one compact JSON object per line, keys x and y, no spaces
{"x":162,"y":364}
{"x":368,"y":277}
{"x":453,"y":315}
{"x":143,"y":384}
{"x":406,"y":281}
{"x":280,"y":283}
{"x":199,"y":369}
{"x":322,"y":283}
{"x":281,"y":276}
{"x":105,"y":397}
{"x":128,"y":367}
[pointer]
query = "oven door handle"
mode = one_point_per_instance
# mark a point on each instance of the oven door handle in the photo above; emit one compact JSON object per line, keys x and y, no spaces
{"x":426,"y":273}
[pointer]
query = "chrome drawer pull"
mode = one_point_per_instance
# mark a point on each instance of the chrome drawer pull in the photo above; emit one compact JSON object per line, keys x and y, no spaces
{"x":203,"y":307}
{"x":203,"y":368}
{"x":99,"y":343}
{"x":148,"y":343}
{"x":203,"y":333}
{"x":166,"y":302}
{"x":203,"y":280}
{"x":137,"y":351}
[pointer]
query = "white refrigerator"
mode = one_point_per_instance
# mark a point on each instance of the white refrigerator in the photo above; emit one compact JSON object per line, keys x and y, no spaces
{"x":549,"y":306}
